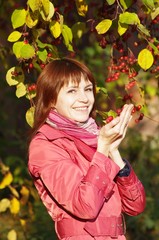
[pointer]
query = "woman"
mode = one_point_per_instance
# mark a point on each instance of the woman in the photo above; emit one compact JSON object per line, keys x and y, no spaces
{"x":76,"y":167}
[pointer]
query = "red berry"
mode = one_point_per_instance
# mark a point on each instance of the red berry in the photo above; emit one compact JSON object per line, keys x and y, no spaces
{"x":31,"y":65}
{"x":42,"y":65}
{"x":141,"y":116}
{"x":118,"y":111}
{"x":109,"y":119}
{"x":134,"y":110}
{"x":26,"y":41}
{"x":49,"y":54}
{"x":137,"y":120}
{"x":138,"y":107}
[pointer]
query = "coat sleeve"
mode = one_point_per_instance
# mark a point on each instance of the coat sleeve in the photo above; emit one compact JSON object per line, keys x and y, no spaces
{"x":81,"y":195}
{"x":132,"y":194}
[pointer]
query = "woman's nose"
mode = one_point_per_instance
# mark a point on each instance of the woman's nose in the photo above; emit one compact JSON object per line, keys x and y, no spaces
{"x":82,"y":96}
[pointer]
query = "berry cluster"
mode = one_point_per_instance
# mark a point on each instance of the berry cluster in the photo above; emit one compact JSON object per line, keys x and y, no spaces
{"x":130,"y":85}
{"x":135,"y":109}
{"x":109,"y":119}
{"x":103,"y":42}
{"x":32,"y":88}
{"x":124,"y":65}
{"x":15,"y":73}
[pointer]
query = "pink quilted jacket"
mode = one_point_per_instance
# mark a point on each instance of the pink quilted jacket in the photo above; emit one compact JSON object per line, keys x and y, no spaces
{"x":79,"y":187}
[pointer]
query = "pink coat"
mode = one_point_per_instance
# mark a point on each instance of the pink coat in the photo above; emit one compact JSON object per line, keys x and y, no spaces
{"x":79,"y":187}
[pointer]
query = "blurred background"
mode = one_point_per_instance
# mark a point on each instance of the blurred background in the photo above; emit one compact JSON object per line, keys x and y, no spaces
{"x":22,"y":215}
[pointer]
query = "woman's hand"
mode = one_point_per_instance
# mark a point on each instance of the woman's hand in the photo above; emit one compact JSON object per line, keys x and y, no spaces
{"x":113,"y":133}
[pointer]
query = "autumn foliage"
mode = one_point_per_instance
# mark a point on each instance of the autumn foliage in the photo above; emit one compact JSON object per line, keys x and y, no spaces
{"x":124,"y":33}
{"x":45,"y":30}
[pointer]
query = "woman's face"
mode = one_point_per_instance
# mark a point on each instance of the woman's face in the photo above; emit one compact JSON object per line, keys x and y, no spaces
{"x":76,"y":101}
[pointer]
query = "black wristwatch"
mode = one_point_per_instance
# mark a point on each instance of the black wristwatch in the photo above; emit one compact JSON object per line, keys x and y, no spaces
{"x":125,"y":171}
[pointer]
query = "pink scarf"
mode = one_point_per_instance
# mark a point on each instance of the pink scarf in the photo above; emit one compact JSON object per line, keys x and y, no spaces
{"x":86,"y":132}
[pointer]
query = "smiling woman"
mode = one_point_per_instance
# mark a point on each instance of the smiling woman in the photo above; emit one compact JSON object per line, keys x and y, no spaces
{"x":75,"y":101}
{"x":76,"y":166}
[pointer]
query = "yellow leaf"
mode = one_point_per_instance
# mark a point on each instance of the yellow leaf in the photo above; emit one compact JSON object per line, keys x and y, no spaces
{"x":14,"y":76}
{"x":47,"y":11}
{"x":82,"y":7}
{"x":14,"y":36}
{"x":14,"y":206}
{"x":3,"y":167}
{"x":122,"y":28}
{"x":25,"y":195}
{"x":145,"y":59}
{"x":30,"y":116}
{"x":21,"y":90}
{"x":32,"y":19}
{"x":12,"y":235}
{"x":103,"y":26}
{"x":55,"y":28}
{"x":4,"y":204}
{"x":23,"y":222}
{"x":8,"y":178}
{"x":13,"y":191}
{"x":34,"y":4}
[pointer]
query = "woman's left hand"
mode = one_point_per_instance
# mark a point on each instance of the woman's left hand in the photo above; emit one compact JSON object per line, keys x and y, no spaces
{"x":121,"y":126}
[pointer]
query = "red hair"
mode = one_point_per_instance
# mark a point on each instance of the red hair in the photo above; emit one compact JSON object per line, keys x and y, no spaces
{"x":54,"y":76}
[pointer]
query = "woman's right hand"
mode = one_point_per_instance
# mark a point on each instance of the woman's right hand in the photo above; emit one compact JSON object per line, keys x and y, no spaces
{"x":111,"y":135}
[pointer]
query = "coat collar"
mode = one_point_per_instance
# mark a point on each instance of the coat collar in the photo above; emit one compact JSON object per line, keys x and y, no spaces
{"x":52,"y":134}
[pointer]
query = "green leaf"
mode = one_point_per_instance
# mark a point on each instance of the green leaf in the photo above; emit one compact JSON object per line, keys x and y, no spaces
{"x":78,"y":29}
{"x":156,"y":51}
{"x":125,"y":3}
{"x":47,"y":11}
{"x":30,"y":95}
{"x":103,"y":26}
{"x":18,"y":18}
{"x":14,"y":36}
{"x":17,"y":49}
{"x":143,"y":29}
{"x":51,"y":47}
{"x":41,"y":44}
{"x":122,"y":28}
{"x":151,"y":90}
{"x":14,"y":76}
{"x":129,"y":18}
{"x":149,"y":4}
{"x":21,"y":90}
{"x":42,"y":54}
{"x":112,"y":113}
{"x":55,"y":28}
{"x":34,"y":4}
{"x":145,"y":59}
{"x":30,"y":116}
{"x":27,"y":51}
{"x":102,"y":89}
{"x":67,"y":35}
{"x":110,"y":2}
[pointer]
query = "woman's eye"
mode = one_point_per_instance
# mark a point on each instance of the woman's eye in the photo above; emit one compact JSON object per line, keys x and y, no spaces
{"x":71,"y":91}
{"x":89,"y":89}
